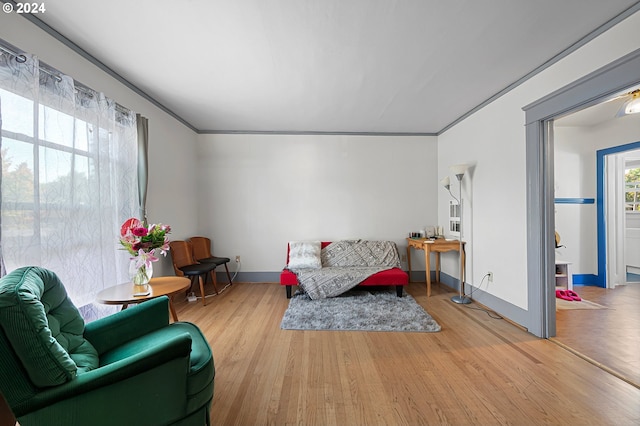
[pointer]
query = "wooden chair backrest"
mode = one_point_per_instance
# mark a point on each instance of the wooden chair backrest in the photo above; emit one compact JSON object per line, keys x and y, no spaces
{"x":201,"y":247}
{"x":181,"y":255}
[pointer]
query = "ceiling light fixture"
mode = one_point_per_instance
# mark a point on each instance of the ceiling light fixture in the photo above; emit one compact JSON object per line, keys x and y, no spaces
{"x":632,"y":105}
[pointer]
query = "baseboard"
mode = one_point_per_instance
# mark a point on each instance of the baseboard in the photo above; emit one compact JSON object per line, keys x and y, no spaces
{"x":511,"y":313}
{"x":418,"y":276}
{"x":585,"y":279}
{"x":250,"y":277}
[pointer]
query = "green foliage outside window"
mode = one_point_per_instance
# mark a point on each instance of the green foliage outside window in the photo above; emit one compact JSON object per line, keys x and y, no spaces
{"x":632,"y":190}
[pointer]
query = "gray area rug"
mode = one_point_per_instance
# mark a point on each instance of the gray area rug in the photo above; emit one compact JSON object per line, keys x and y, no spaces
{"x":358,"y":310}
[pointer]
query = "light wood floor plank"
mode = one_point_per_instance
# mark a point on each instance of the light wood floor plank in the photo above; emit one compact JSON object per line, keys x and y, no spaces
{"x":477,"y":370}
{"x":609,"y":336}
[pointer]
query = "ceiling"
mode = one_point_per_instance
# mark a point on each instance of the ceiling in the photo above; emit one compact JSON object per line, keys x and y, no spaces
{"x":336,"y":66}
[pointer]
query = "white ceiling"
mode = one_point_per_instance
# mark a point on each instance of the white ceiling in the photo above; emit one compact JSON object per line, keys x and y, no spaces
{"x":370,"y":66}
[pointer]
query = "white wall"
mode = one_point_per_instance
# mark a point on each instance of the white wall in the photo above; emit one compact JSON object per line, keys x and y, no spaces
{"x":493,"y":139}
{"x":171,"y":145}
{"x":261,"y":191}
{"x":575,"y":177}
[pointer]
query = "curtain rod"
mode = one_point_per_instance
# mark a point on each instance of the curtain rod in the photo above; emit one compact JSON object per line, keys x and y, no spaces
{"x":19,"y":56}
{"x":22,"y":58}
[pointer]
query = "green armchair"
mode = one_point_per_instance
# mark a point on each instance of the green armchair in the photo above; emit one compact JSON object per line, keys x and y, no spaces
{"x":130,"y":368}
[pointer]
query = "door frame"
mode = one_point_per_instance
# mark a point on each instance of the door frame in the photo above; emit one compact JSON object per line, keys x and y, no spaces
{"x":601,"y":207}
{"x":599,"y":86}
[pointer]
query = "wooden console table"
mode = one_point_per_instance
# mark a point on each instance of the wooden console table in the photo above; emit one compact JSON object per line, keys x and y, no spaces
{"x":436,"y":246}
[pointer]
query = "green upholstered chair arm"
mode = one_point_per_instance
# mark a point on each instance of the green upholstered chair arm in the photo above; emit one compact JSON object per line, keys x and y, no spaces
{"x":112,"y":331}
{"x":171,"y":356}
{"x":129,"y":368}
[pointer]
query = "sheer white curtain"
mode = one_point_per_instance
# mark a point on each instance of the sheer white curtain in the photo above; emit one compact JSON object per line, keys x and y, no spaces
{"x":69,"y":176}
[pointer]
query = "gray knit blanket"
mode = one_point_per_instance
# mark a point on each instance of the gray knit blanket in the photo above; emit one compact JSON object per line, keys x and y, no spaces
{"x":345,"y":264}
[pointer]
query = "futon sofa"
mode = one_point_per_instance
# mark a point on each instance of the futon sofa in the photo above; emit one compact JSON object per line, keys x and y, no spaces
{"x":327,"y":269}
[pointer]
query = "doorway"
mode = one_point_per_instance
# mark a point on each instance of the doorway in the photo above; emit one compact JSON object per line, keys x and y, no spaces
{"x":590,"y":159}
{"x":591,"y":154}
{"x":618,"y":214}
{"x":601,"y":85}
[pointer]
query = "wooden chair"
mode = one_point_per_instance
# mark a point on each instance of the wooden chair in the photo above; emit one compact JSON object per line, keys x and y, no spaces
{"x":185,"y":265}
{"x":202,"y":253}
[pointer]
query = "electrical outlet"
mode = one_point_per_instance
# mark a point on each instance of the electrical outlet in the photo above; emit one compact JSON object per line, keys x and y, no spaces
{"x":490,"y":275}
{"x":237,"y":258}
{"x":403,"y":258}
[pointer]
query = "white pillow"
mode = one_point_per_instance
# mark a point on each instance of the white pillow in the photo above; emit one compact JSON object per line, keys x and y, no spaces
{"x":304,"y":255}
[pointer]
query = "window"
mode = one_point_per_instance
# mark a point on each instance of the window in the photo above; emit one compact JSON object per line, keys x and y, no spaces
{"x":632,"y":190}
{"x":454,"y":218}
{"x":69,"y":176}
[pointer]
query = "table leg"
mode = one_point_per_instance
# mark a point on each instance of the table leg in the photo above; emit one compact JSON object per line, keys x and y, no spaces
{"x":409,"y":261}
{"x":437,"y":266}
{"x":427,"y":262}
{"x":174,"y":315}
{"x":204,"y":299}
{"x":124,"y":306}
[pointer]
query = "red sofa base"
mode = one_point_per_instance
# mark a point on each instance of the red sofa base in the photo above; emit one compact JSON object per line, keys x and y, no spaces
{"x":395,"y":276}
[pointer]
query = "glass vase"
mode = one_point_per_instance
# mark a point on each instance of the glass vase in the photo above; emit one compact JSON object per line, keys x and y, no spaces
{"x":140,"y":276}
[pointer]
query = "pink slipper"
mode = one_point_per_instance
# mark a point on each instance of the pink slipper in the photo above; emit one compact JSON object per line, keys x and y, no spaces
{"x":573,"y":295}
{"x":562,"y":294}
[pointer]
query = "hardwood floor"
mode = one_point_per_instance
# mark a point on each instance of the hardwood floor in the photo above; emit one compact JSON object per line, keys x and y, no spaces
{"x":477,"y":370}
{"x":610,"y":337}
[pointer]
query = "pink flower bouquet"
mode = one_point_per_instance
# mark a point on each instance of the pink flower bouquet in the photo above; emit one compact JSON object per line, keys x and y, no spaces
{"x":142,"y":242}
